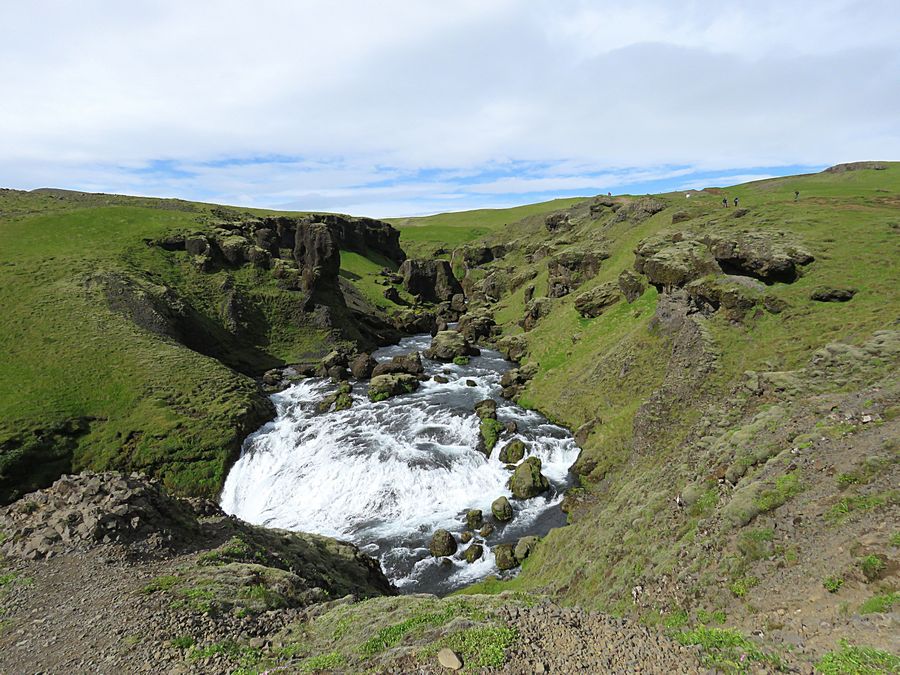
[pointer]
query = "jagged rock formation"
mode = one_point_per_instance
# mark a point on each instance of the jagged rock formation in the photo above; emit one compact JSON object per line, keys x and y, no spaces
{"x":432,"y":280}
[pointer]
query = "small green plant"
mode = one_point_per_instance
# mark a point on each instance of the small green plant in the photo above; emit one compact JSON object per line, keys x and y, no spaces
{"x":461,"y":360}
{"x":832,"y":584}
{"x":741,"y":587}
{"x":706,"y":618}
{"x":786,"y":486}
{"x":323,"y":662}
{"x":677,"y":619}
{"x":853,"y":660}
{"x":847,"y":479}
{"x":895,"y":540}
{"x":871,"y":566}
{"x":848,"y":506}
{"x":8,"y":578}
{"x":880,"y":604}
{"x":725,"y":648}
{"x":163,"y":583}
{"x":483,"y":646}
{"x":183,"y":642}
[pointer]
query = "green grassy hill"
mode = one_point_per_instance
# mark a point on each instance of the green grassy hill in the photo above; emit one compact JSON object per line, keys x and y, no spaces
{"x":83,"y":386}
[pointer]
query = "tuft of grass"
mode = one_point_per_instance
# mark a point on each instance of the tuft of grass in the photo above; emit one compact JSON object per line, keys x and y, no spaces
{"x":786,"y":486}
{"x":872,"y":566}
{"x":741,"y":587}
{"x":880,"y":604}
{"x":323,"y":662}
{"x":726,"y":648}
{"x":706,"y":618}
{"x":183,"y":642}
{"x":832,"y":584}
{"x":390,"y":636}
{"x":857,"y":660}
{"x":482,"y":646}
{"x":163,"y":583}
{"x":847,"y":507}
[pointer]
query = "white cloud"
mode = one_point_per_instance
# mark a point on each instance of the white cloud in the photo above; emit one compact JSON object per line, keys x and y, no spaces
{"x":365,"y":92}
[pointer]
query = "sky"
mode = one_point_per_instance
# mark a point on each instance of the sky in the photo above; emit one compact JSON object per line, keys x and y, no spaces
{"x":409,"y":107}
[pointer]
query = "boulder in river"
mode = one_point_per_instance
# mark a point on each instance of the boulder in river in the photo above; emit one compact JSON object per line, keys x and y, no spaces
{"x":473,"y":553}
{"x":382,"y":387}
{"x":448,"y":345}
{"x":501,"y":509}
{"x":486,"y":530}
{"x":512,"y":452}
{"x":527,"y":480}
{"x":362,"y":365}
{"x":405,"y":363}
{"x":489,"y":433}
{"x":486,"y":409}
{"x":505,"y":557}
{"x":442,"y":544}
{"x":474,"y":519}
{"x":466,"y":537}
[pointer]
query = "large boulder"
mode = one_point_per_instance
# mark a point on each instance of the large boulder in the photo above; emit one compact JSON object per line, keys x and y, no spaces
{"x":474,"y":519}
{"x":411,"y":364}
{"x":442,"y":544}
{"x":525,"y":546}
{"x":505,"y":557}
{"x":318,"y":255}
{"x":501,"y":509}
{"x":569,"y":270}
{"x":448,"y":345}
{"x":536,"y":311}
{"x":432,"y":280}
{"x":765,"y":255}
{"x":734,"y":295}
{"x":473,"y":553}
{"x":640,"y":209}
{"x":362,"y":365}
{"x":671,"y":262}
{"x":513,"y":347}
{"x":594,"y":302}
{"x":513,"y":452}
{"x":527,"y":480}
{"x":631,"y":285}
{"x":832,"y":294}
{"x":476,"y":325}
{"x":382,"y":387}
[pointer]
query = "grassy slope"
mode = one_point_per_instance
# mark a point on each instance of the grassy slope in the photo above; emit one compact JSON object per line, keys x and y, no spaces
{"x":83,"y":386}
{"x":422,"y":235}
{"x":625,"y":533}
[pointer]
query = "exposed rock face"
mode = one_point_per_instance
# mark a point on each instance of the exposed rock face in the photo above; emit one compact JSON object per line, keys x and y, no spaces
{"x":735,"y":295}
{"x":766,"y":256}
{"x":432,"y":280}
{"x":833,"y":294}
{"x":382,"y":387}
{"x":513,"y":380}
{"x":448,"y":345}
{"x":631,"y":285}
{"x":527,"y":480}
{"x":640,"y":209}
{"x":557,"y":221}
{"x":410,"y":364}
{"x":673,"y":262}
{"x":594,"y":302}
{"x":570,"y":270}
{"x":501,"y":509}
{"x":442,"y":544}
{"x":512,"y":452}
{"x":476,"y":325}
{"x":536,"y":311}
{"x":513,"y":347}
{"x":318,"y":254}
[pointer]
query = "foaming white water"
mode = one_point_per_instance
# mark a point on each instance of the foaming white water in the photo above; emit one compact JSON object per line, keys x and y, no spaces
{"x":386,"y":475}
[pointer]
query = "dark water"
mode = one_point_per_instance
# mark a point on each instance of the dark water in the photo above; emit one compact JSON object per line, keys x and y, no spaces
{"x":386,"y":475}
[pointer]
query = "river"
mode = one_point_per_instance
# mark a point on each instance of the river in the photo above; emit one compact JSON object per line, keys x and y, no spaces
{"x":386,"y":475}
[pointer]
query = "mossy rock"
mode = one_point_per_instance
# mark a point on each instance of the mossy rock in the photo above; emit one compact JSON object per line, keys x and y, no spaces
{"x":502,"y":510}
{"x":527,"y":480}
{"x":442,"y":544}
{"x":473,"y":553}
{"x":382,"y":387}
{"x":490,"y":430}
{"x":513,"y":452}
{"x":505,"y":557}
{"x":474,"y":519}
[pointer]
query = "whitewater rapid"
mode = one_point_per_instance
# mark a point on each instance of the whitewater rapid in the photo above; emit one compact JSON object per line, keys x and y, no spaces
{"x":386,"y":475}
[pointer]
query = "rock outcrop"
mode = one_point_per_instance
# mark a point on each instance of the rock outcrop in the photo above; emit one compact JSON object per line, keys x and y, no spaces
{"x":432,"y":280}
{"x":594,"y":302}
{"x":448,"y":345}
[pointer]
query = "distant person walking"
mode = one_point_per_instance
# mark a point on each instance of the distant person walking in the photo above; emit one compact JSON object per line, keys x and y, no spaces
{"x":725,"y":202}
{"x":735,"y":202}
{"x":796,"y":195}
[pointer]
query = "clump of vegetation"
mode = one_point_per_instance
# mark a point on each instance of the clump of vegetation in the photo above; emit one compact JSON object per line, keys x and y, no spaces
{"x":490,"y":432}
{"x":786,"y":486}
{"x":482,"y":646}
{"x":726,"y":648}
{"x":461,"y":360}
{"x":756,"y":544}
{"x":390,"y":636}
{"x":872,"y":566}
{"x":741,"y":587}
{"x":235,"y":549}
{"x":163,"y":583}
{"x":846,"y":507}
{"x":832,"y":584}
{"x":854,"y":660}
{"x":183,"y":642}
{"x":880,"y":604}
